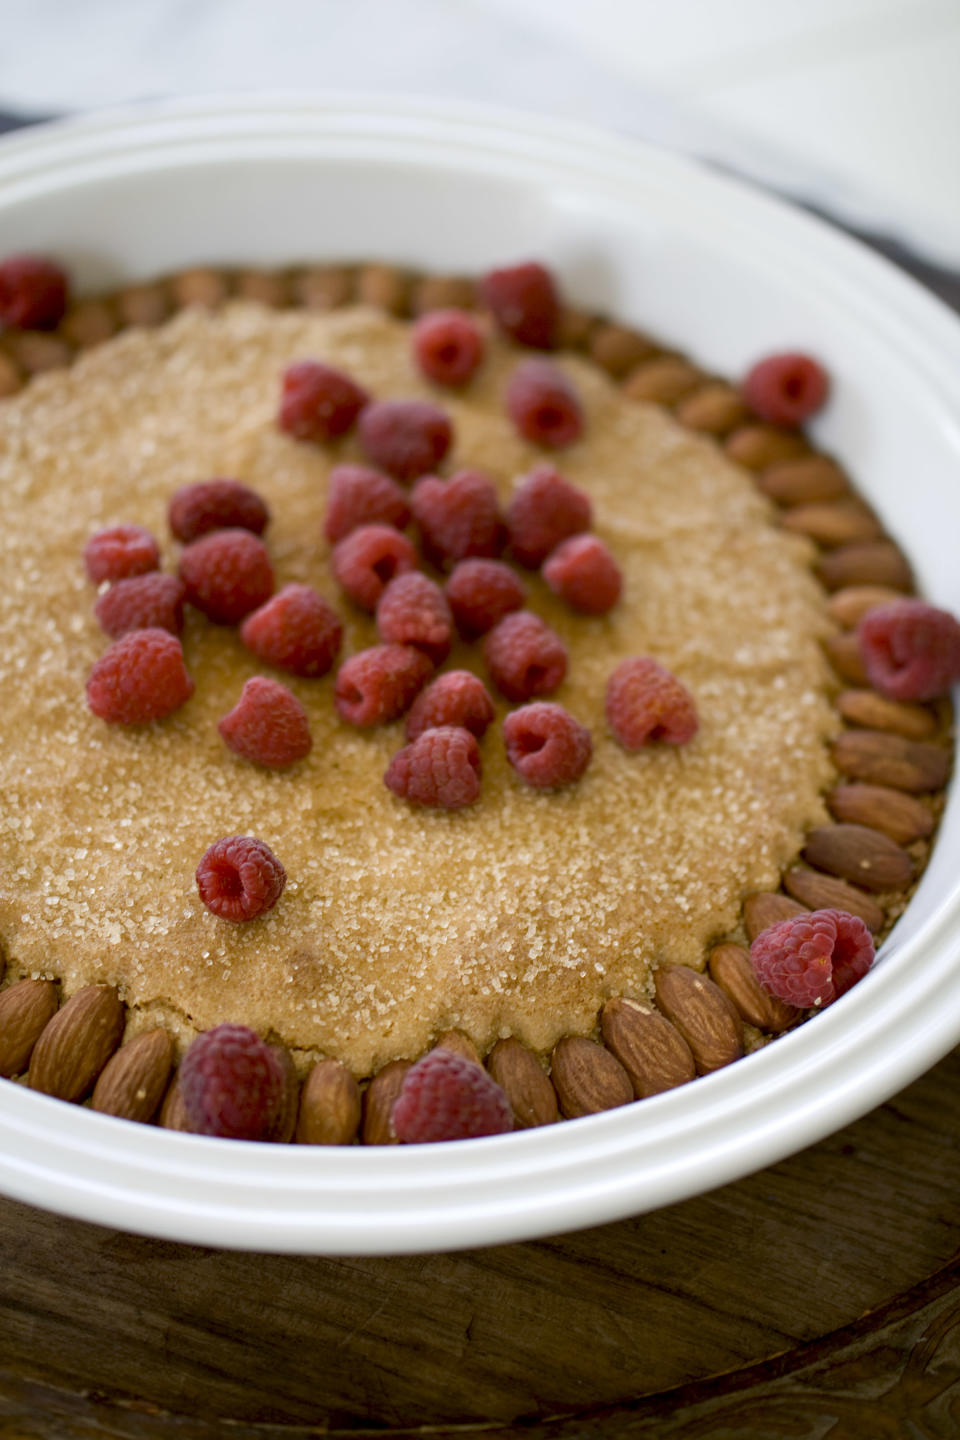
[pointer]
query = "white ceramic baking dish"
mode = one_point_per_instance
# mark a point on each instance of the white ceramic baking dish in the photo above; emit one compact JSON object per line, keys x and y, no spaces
{"x":726,"y":274}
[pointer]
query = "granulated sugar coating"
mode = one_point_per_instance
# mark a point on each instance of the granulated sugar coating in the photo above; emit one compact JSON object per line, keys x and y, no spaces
{"x":518,"y":915}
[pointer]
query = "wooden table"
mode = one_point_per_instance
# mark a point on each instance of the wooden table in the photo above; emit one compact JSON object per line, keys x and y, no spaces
{"x":819,"y":1297}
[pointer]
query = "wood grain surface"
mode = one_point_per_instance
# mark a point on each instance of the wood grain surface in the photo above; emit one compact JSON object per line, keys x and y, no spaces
{"x":820,"y":1297}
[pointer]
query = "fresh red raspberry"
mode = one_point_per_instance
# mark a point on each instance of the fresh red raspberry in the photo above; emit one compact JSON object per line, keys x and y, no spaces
{"x":786,"y":389}
{"x":268,"y":725}
{"x":446,"y":1096}
{"x":812,"y":959}
{"x":583,"y":572}
{"x":318,"y":402}
{"x":448,"y":346}
{"x":545,"y":510}
{"x":227,"y":575}
{"x":240,"y":878}
{"x":217,"y":504}
{"x":407,"y":438}
{"x":525,"y":657}
{"x":367,"y":559}
{"x":525,"y":303}
{"x":33,"y":293}
{"x":439,"y":770}
{"x":543,"y":405}
{"x":232,"y":1084}
{"x":295,"y":630}
{"x":458,"y":517}
{"x":911,"y":650}
{"x":378,"y":685}
{"x":413,"y":611}
{"x":119,"y":552}
{"x":141,"y":677}
{"x":480,"y":593}
{"x":645,"y":703}
{"x":144,"y":602}
{"x":457,"y":698}
{"x":357,"y":495}
{"x":546,"y":746}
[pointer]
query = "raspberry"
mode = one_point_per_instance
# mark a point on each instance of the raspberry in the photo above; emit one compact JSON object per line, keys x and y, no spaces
{"x":458,"y":517}
{"x":446,"y":1096}
{"x":119,"y":552}
{"x":33,"y":293}
{"x":546,"y":746}
{"x":377,"y":685}
{"x":646,"y":703}
{"x":268,"y":725}
{"x":227,"y":574}
{"x":457,"y":698}
{"x":526,"y":658}
{"x":413,"y":611}
{"x":812,"y":959}
{"x":367,"y":560}
{"x":357,"y":495}
{"x":218,"y":504}
{"x":543,"y":405}
{"x":232,"y":1084}
{"x":786,"y":389}
{"x":144,"y":602}
{"x":545,"y":509}
{"x":295,"y":630}
{"x":481,"y":592}
{"x":141,"y":677}
{"x":407,"y":438}
{"x":911,"y":650}
{"x":318,"y":402}
{"x":525,"y":303}
{"x":448,"y":346}
{"x":583,"y":572}
{"x":240,"y":878}
{"x":440,"y":769}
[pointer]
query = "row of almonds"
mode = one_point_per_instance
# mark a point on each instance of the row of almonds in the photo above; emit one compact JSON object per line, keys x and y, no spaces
{"x":893,"y":761}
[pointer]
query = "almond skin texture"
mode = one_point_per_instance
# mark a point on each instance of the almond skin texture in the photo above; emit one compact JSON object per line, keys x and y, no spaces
{"x":650,"y":1049}
{"x":662,"y":381}
{"x":762,"y":910}
{"x":876,"y":712}
{"x":702,"y":1013}
{"x":759,"y":446}
{"x":824,"y":892}
{"x":286,"y":1121}
{"x":902,"y":817}
{"x":77,"y":1043}
{"x":833,"y":524}
{"x":587,"y":1078}
{"x":25,"y":1010}
{"x":378,"y":1102}
{"x":525,"y":1083}
{"x":172,"y":1114}
{"x":133,"y":1081}
{"x":843,"y":652}
{"x":880,"y":758}
{"x":330,"y":1106}
{"x":848,"y":606}
{"x":732,"y":969}
{"x":868,"y":562}
{"x":715,"y":409}
{"x":804,"y":482}
{"x":860,"y":855}
{"x":460,"y":1044}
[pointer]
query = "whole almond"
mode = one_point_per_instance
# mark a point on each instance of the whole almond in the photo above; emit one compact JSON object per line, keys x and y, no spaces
{"x":36,"y":351}
{"x":763,"y":909}
{"x":460,"y":1044}
{"x":875,"y":712}
{"x":134,"y":1079}
{"x":824,"y":892}
{"x":323,"y":287}
{"x":587,"y":1078}
{"x":849,"y":605}
{"x":574,"y":328}
{"x":650,"y":1049}
{"x":443,"y":292}
{"x":880,"y":758}
{"x":144,"y":305}
{"x":25,"y":1010}
{"x":715,"y":408}
{"x":525,"y":1083}
{"x":804,"y":482}
{"x":618,"y":350}
{"x":843,"y":652}
{"x":266,"y":287}
{"x":662,"y":381}
{"x":706,"y":1019}
{"x":867,"y":562}
{"x":902,"y":817}
{"x":77,"y":1043}
{"x":281,"y":1132}
{"x":760,"y":446}
{"x":378,"y":1102}
{"x":202,"y":287}
{"x":385,"y":287}
{"x":173,"y":1115}
{"x":732,"y":970}
{"x":330,"y":1106}
{"x":89,"y":322}
{"x":860,"y":855}
{"x":832,"y":523}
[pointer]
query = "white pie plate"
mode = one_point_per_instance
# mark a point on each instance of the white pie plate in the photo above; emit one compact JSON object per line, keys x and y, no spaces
{"x":726,"y":274}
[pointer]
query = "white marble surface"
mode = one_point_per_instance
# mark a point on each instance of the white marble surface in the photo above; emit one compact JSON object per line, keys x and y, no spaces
{"x":852,"y":104}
